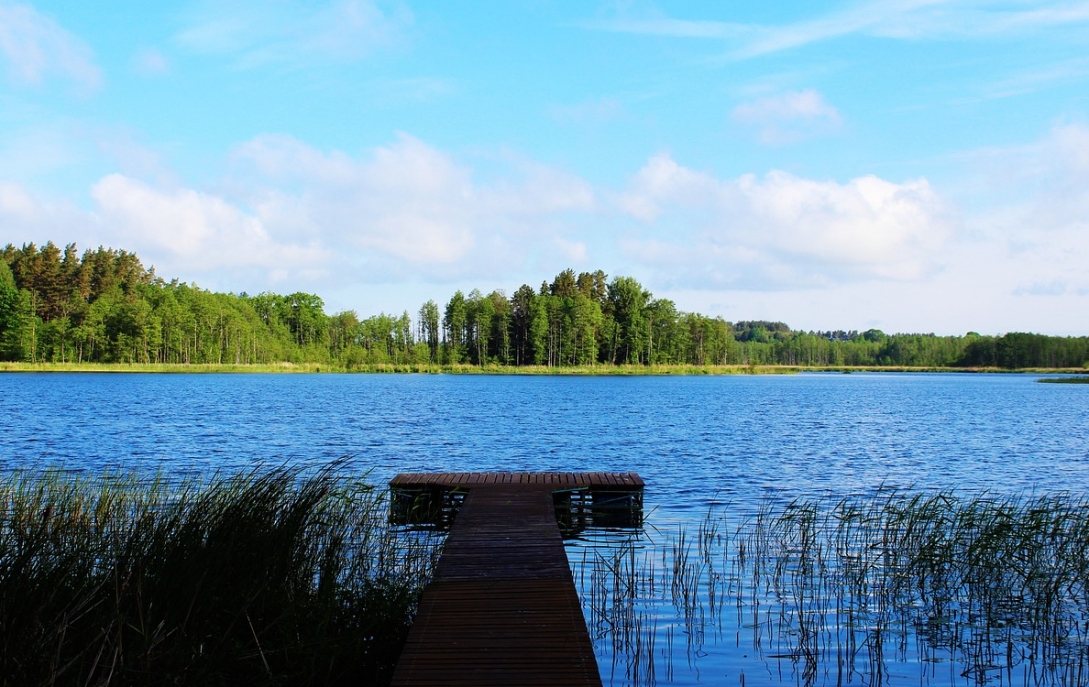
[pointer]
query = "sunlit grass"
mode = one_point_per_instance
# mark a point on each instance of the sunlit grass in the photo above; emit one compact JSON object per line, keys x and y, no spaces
{"x":406,"y":368}
{"x":270,"y":577}
{"x":497,"y":369}
{"x":163,"y":367}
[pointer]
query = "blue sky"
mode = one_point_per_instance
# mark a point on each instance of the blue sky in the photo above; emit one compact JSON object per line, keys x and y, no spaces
{"x":912,"y":165}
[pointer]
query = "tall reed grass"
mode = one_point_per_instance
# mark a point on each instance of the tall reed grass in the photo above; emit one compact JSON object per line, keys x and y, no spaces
{"x":271,"y":577}
{"x":926,"y":588}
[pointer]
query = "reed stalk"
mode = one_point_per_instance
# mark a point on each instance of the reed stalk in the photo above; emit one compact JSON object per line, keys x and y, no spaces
{"x":270,"y":577}
{"x":852,"y":589}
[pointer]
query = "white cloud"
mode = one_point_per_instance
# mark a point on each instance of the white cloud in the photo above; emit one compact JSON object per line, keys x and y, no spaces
{"x":807,"y":104}
{"x":1019,"y":260}
{"x":35,"y":47}
{"x":783,"y":230}
{"x":1034,"y":203}
{"x":813,"y":252}
{"x":288,"y":211}
{"x":258,"y":33}
{"x":788,"y":117}
{"x":16,"y":204}
{"x":409,"y":202}
{"x":408,"y":208}
{"x":191,"y":231}
{"x":573,"y":251}
{"x":662,"y":181}
{"x":869,"y":226}
{"x":25,"y":216}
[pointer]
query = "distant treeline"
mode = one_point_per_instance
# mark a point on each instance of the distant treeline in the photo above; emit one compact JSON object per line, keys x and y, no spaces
{"x":104,"y":306}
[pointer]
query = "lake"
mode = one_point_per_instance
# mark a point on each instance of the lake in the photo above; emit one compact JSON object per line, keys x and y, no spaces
{"x":697,"y":441}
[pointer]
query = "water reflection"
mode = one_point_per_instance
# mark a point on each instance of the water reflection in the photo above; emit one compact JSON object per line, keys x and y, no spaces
{"x":890,"y":588}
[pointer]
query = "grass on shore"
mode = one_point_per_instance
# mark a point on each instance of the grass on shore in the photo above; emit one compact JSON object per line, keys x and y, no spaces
{"x":403,"y":368}
{"x":265,"y":578}
{"x":166,"y":367}
{"x":1078,"y":374}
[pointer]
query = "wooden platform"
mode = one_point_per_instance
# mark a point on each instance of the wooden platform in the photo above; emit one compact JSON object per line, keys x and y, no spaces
{"x":555,"y":480}
{"x":502,"y":608}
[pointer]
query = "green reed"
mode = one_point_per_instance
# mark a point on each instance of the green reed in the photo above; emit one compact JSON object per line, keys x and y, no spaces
{"x":268,"y":577}
{"x":993,"y":588}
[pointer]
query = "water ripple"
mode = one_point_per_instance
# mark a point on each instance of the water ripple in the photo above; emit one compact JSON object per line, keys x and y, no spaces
{"x":688,"y":436}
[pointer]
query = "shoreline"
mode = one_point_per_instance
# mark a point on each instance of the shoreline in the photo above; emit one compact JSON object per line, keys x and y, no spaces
{"x":583,"y":371}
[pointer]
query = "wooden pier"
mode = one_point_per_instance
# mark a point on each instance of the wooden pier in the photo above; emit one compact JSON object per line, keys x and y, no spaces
{"x":502,"y":608}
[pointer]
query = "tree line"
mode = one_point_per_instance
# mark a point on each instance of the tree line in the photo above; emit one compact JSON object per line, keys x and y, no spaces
{"x":57,"y":305}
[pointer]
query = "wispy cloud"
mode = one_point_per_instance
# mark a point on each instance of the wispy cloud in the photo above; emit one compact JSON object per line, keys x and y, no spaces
{"x":1051,"y":14}
{"x":1052,"y":288}
{"x":150,"y":62}
{"x":661,"y":25}
{"x":411,"y":90}
{"x":890,"y":18}
{"x":1038,"y":188}
{"x":1031,"y":205}
{"x":257,"y":33}
{"x":788,"y":117}
{"x":1037,"y":79}
{"x":894,"y":19}
{"x":36,"y":47}
{"x":130,"y":155}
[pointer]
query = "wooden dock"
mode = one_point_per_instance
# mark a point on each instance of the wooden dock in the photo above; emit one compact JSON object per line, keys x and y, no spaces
{"x":553,"y":480}
{"x":502,"y":608}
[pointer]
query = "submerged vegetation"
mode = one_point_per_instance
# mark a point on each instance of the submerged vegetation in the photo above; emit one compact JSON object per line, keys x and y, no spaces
{"x":891,"y":588}
{"x":272,"y":577}
{"x":104,"y":307}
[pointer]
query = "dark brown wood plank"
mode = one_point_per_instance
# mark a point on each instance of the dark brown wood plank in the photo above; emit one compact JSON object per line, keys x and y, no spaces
{"x":557,"y":480}
{"x":502,"y":609}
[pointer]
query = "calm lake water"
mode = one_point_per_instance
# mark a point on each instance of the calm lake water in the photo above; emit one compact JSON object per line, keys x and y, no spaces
{"x":695,"y":440}
{"x":689,"y":437}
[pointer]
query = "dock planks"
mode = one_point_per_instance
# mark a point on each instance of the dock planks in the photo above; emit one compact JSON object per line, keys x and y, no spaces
{"x":502,"y":608}
{"x":554,"y":480}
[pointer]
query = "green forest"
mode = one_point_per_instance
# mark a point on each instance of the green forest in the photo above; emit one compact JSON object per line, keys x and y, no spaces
{"x":104,"y":306}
